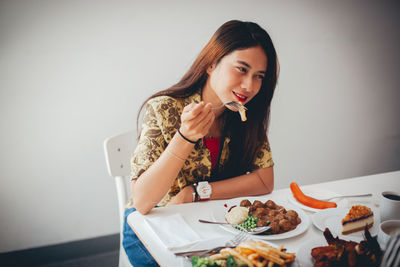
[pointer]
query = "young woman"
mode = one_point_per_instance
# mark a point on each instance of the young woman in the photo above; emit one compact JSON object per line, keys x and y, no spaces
{"x":192,"y":147}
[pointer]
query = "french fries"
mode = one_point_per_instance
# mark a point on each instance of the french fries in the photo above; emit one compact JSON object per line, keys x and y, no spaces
{"x":257,"y":254}
{"x":242,"y":112}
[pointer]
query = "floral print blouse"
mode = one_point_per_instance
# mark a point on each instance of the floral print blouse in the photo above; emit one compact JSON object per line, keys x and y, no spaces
{"x":160,"y":123}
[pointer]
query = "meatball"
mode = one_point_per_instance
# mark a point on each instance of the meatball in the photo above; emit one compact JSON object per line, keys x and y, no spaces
{"x":275,"y":227}
{"x":273,"y":213}
{"x":291,"y":213}
{"x":285,"y":225}
{"x":280,"y":209}
{"x":269,"y":212}
{"x":262,"y":222}
{"x":259,"y":212}
{"x":258,"y":204}
{"x":280,"y":216}
{"x":252,"y":208}
{"x":275,"y":220}
{"x":292,"y":216}
{"x":267,"y":218}
{"x":245,"y":203}
{"x":270,"y":204}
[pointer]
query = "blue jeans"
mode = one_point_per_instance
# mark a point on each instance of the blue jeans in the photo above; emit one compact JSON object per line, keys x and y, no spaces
{"x":137,"y":253}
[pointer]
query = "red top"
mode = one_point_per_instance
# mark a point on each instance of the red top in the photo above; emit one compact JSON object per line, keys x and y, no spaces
{"x":213,"y":146}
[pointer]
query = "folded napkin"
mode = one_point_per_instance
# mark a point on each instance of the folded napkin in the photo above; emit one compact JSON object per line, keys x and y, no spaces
{"x":173,"y":231}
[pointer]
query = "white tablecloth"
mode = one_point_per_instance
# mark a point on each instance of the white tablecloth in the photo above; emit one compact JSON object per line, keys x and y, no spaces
{"x":191,"y":212}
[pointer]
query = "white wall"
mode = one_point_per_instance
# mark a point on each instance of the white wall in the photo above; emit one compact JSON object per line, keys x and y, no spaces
{"x":75,"y":72}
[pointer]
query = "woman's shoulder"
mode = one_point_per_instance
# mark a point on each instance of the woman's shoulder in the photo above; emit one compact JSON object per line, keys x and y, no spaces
{"x":164,"y":102}
{"x":165,"y":108}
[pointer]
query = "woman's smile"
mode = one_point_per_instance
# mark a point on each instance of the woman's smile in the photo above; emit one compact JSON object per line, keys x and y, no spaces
{"x":240,"y":97}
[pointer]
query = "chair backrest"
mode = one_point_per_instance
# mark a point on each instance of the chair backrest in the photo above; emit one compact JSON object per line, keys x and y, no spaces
{"x":118,"y":151}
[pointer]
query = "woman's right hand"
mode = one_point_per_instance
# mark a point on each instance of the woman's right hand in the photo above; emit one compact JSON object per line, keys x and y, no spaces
{"x":196,"y":120}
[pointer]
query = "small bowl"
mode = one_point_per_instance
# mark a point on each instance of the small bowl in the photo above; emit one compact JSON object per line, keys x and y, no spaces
{"x":386,"y":229}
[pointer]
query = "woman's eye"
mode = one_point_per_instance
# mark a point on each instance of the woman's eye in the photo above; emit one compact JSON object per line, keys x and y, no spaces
{"x":241,"y":69}
{"x":260,"y":77}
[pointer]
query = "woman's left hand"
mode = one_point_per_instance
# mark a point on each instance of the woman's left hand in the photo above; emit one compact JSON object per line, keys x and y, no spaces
{"x":184,"y":196}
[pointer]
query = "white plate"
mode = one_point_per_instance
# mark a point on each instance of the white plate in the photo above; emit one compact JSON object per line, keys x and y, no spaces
{"x":186,"y":261}
{"x":318,"y":194}
{"x":332,"y":218}
{"x":303,"y":256}
{"x":219,"y":216}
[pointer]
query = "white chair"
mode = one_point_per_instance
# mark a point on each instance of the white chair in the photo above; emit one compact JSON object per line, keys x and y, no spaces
{"x":118,"y":151}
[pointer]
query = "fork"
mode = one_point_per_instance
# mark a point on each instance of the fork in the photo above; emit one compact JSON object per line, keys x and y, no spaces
{"x":236,"y":240}
{"x":232,"y":104}
{"x":252,"y":231}
{"x":391,"y":258}
{"x":344,"y":196}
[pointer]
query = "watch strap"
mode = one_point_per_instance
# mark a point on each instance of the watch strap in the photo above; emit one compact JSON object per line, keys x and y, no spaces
{"x":195,"y":194}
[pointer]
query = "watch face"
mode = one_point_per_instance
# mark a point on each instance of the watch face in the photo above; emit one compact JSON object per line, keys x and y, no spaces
{"x":204,"y":189}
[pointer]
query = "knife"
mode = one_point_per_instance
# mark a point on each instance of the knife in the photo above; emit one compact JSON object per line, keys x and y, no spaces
{"x":198,"y":252}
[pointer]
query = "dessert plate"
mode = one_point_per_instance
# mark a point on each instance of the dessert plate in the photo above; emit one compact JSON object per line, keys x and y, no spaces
{"x":218,"y":214}
{"x":332,"y":219}
{"x":318,"y":194}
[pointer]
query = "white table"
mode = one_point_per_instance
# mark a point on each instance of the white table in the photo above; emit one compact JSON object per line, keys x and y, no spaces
{"x":193,"y":211}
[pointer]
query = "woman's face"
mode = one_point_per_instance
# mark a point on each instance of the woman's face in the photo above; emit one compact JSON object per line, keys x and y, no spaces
{"x":237,"y":77}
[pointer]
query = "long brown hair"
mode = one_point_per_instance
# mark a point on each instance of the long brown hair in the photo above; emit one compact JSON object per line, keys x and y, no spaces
{"x":246,"y":138}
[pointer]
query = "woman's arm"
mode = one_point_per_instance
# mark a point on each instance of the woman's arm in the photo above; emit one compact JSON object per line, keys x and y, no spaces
{"x":258,"y":182}
{"x":155,"y":182}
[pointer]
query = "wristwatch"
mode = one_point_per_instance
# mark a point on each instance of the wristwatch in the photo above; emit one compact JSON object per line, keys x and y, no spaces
{"x":204,"y":190}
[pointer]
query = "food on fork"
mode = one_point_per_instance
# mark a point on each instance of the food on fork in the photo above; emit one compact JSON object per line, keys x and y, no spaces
{"x":242,"y":112}
{"x":309,"y":201}
{"x":358,"y":217}
{"x":249,"y":253}
{"x":237,"y":107}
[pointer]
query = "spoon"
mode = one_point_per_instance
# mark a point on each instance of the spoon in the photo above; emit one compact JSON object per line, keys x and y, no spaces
{"x":345,"y":196}
{"x":252,"y":231}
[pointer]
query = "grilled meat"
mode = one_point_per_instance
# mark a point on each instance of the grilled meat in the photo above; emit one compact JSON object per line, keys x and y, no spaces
{"x":347,"y":253}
